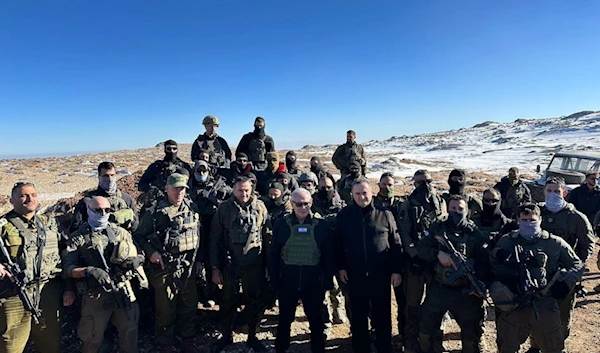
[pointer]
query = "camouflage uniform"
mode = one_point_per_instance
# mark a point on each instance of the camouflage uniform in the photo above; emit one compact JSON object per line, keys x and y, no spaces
{"x":344,"y":185}
{"x":99,"y":306}
{"x":237,"y":237}
{"x":552,"y":255}
{"x":513,"y":196}
{"x":416,"y":215}
{"x":124,"y":214}
{"x":348,"y":153}
{"x":219,"y":153}
{"x":445,"y":295}
{"x":174,"y":232}
{"x":21,"y":237}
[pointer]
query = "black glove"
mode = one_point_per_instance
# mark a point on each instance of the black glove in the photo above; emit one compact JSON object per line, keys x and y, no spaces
{"x":133,"y":262}
{"x":417,"y":266}
{"x":99,"y":274}
{"x":560,"y":290}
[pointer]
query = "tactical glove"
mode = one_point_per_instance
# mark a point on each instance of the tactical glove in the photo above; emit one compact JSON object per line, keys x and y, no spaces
{"x":99,"y":274}
{"x":560,"y":290}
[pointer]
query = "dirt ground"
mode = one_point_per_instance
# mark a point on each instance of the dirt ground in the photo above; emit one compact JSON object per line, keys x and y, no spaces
{"x":61,"y":180}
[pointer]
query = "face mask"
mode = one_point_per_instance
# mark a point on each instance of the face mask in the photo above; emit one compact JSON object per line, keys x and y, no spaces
{"x":259,"y":131}
{"x":459,"y":219}
{"x":355,"y":173}
{"x":278,"y":201}
{"x":491,"y":209}
{"x":424,"y":188}
{"x":325,"y":194}
{"x":290,"y":164}
{"x":389,"y":192}
{"x":109,"y":185}
{"x":201,"y":178}
{"x":554,"y":202}
{"x":456,"y":187}
{"x":170,"y":156}
{"x":530,"y":230}
{"x":315,"y":167}
{"x":97,"y":221}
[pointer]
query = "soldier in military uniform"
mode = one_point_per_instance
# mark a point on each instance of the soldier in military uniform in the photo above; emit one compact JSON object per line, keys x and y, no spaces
{"x":240,"y":167}
{"x":103,"y":258}
{"x":491,"y":221}
{"x":457,"y":180}
{"x":533,"y":269}
{"x":309,"y":182}
{"x":256,"y":145}
{"x":218,"y":149}
{"x":287,"y":180}
{"x":291,"y":164}
{"x":350,"y":152}
{"x":326,"y":201}
{"x":560,"y":218}
{"x":237,"y":236}
{"x":421,"y":208}
{"x":264,"y":177}
{"x":451,"y":290}
{"x":157,"y":173}
{"x":514,"y":193}
{"x":301,"y":267}
{"x":345,"y":183}
{"x":276,"y":202}
{"x":586,"y":197}
{"x":169,"y":234}
{"x":207,"y":193}
{"x":125,"y":211}
{"x":385,"y":199}
{"x":29,"y":236}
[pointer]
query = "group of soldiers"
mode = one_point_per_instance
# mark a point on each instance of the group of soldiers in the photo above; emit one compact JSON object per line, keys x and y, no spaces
{"x":248,"y":231}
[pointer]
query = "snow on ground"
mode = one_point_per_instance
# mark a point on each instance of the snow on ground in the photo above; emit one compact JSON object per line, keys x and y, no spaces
{"x":488,"y":147}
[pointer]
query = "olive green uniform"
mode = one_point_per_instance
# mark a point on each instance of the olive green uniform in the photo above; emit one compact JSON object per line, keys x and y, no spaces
{"x":416,"y":215}
{"x":445,"y":294}
{"x":574,"y":227}
{"x":237,"y":243}
{"x":99,"y":306}
{"x":174,"y":232}
{"x":21,"y":237}
{"x":347,"y":153}
{"x":552,"y":254}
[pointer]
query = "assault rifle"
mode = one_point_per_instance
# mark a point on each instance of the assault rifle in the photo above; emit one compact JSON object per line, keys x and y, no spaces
{"x":119,"y":283}
{"x":20,"y":280}
{"x":529,"y":287}
{"x":464,"y":267}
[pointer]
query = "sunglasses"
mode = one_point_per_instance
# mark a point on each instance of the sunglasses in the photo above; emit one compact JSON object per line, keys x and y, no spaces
{"x":101,"y":210}
{"x":426,"y":181}
{"x":301,"y":204}
{"x":170,"y":149}
{"x":488,"y":201}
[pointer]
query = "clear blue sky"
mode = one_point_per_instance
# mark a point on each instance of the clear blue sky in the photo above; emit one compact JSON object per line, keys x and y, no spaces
{"x":135,"y":73}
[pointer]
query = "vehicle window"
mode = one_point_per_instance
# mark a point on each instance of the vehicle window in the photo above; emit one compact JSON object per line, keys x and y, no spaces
{"x":586,"y":165}
{"x":557,"y":163}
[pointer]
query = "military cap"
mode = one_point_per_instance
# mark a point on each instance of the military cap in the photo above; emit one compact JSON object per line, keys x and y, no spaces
{"x":177,"y":180}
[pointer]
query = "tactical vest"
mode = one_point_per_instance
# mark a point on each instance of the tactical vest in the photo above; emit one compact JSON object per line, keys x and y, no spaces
{"x":216,"y":154}
{"x":257,"y":150}
{"x":123,"y":215}
{"x":244,"y":225}
{"x":186,"y":222}
{"x":301,"y":248}
{"x":167,"y":169}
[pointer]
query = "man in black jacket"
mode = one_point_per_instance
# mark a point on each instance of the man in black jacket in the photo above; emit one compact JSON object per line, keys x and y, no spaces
{"x":368,"y":257}
{"x":301,"y":266}
{"x":586,"y":197}
{"x":256,"y":145}
{"x":157,"y":173}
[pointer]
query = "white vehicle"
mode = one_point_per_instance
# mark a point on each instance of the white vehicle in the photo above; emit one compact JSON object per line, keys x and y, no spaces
{"x":571,"y":166}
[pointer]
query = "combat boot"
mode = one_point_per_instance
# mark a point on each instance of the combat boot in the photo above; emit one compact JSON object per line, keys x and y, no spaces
{"x":253,"y":342}
{"x":222,"y":342}
{"x":188,"y":346}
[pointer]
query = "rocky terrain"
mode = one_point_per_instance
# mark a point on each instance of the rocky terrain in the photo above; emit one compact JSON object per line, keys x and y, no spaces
{"x":487,"y":150}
